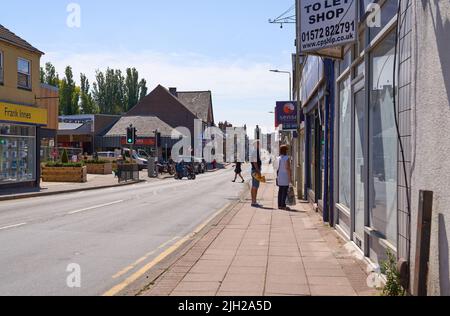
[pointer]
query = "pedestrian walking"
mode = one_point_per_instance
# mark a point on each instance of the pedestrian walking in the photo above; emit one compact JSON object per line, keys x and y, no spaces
{"x":238,"y":171}
{"x":256,"y":176}
{"x":283,"y":177}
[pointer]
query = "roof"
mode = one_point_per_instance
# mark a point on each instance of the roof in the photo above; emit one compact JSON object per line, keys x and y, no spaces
{"x":11,"y":38}
{"x":198,"y":102}
{"x":85,"y":128}
{"x":145,"y":126}
{"x":69,"y":126}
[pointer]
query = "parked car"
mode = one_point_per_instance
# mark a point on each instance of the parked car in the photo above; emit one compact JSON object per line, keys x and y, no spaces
{"x":141,"y":162}
{"x":107,"y":155}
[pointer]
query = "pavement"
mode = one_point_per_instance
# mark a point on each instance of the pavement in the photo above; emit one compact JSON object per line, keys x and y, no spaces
{"x":264,"y":252}
{"x":112,"y":234}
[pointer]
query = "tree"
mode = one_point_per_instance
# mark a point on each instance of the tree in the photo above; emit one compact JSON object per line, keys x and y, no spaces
{"x":132,"y":88}
{"x":69,"y":94}
{"x":51,"y":77}
{"x":143,"y":89}
{"x":99,"y":92}
{"x":42,"y":75}
{"x":88,"y":106}
{"x":110,"y":92}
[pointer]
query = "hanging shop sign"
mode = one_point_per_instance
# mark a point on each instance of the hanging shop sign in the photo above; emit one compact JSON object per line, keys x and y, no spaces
{"x":145,"y":141}
{"x":22,"y":114}
{"x":327,"y":25}
{"x":286,"y":115}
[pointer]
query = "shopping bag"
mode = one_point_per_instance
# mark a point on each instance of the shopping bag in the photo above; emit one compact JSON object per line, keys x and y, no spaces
{"x":291,"y":200}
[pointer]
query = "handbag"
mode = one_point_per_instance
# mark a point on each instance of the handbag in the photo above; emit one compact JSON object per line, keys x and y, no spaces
{"x":291,"y":200}
{"x":278,"y":173}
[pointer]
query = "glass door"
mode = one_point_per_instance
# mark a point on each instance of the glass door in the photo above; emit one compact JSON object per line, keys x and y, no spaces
{"x":360,"y":161}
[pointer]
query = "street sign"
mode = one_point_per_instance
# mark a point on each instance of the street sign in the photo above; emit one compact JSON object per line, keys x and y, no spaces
{"x":327,"y":24}
{"x":286,"y":115}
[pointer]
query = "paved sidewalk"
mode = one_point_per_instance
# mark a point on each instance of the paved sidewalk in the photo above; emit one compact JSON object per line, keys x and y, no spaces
{"x":256,"y":252}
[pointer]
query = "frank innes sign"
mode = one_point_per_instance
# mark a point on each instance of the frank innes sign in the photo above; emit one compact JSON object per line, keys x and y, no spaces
{"x":327,"y":23}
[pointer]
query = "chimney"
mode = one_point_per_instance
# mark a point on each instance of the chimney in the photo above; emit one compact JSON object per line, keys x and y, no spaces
{"x":173,"y":91}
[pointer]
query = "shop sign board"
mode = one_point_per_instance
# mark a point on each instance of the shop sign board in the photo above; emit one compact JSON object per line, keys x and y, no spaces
{"x":148,"y":141}
{"x":22,"y":114}
{"x":286,"y":115}
{"x":327,"y":24}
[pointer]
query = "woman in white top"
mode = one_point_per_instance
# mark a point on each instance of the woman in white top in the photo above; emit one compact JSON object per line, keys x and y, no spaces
{"x":283,"y":177}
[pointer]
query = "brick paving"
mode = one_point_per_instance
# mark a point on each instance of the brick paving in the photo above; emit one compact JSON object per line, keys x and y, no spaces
{"x":266,"y":252}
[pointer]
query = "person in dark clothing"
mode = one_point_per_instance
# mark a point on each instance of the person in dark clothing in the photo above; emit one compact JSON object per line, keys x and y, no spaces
{"x":238,"y":172}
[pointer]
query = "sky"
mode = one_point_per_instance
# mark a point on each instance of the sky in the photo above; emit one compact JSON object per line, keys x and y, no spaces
{"x":227,"y":47}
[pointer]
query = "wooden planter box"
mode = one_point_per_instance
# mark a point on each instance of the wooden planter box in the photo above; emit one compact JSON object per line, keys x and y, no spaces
{"x":64,"y":174}
{"x":105,"y":168}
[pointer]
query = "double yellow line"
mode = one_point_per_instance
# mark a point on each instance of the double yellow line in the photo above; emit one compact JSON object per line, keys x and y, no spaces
{"x":135,"y":276}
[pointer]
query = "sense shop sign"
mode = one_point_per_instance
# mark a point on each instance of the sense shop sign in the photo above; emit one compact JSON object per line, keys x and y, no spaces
{"x":286,"y":115}
{"x":327,"y":24}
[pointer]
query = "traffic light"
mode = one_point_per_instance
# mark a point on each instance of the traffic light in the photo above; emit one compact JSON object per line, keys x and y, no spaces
{"x":131,"y":135}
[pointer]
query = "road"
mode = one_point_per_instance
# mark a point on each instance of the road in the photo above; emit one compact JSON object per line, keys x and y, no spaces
{"x":110,"y":233}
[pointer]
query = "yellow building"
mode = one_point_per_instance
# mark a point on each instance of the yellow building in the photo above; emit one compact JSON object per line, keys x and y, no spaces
{"x":21,"y":115}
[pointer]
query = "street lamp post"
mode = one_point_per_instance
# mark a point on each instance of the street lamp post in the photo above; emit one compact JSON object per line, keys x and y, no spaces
{"x":290,"y":80}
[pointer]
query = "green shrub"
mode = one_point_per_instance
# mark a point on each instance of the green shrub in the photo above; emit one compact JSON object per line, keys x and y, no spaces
{"x":96,"y":162}
{"x":64,"y":165}
{"x":393,"y":286}
{"x":65,"y":157}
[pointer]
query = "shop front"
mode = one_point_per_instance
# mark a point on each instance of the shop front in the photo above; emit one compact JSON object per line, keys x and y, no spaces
{"x":366,"y":142}
{"x":317,"y":79}
{"x":19,"y":148}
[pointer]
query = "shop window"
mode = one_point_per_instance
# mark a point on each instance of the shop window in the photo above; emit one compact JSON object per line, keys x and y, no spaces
{"x":388,"y":11}
{"x":17,"y":153}
{"x":1,"y":67}
{"x":345,"y":150}
{"x":347,"y":61}
{"x":24,"y":73}
{"x":383,"y":141}
{"x":312,"y":151}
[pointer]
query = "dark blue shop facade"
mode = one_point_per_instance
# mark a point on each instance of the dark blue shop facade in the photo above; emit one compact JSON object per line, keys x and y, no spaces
{"x":317,"y":93}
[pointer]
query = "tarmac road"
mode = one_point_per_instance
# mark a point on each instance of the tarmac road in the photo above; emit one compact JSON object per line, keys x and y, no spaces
{"x":110,"y":233}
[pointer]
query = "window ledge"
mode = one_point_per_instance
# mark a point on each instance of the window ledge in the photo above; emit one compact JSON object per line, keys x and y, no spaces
{"x":23,"y":88}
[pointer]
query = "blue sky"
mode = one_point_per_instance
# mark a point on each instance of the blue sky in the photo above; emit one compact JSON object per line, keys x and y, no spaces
{"x":224,"y":46}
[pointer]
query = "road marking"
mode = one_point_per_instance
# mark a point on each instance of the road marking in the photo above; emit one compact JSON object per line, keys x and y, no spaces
{"x":135,"y":276}
{"x":203,"y":225}
{"x":168,"y":242}
{"x":12,"y":226}
{"x":139,"y":261}
{"x":95,"y":207}
{"x":120,"y":287}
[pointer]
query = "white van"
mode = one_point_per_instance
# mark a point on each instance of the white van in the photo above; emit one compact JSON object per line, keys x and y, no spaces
{"x":142,"y":162}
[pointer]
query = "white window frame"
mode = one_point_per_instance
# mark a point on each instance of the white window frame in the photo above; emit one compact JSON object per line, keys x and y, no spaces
{"x":27,"y":74}
{"x":2,"y":57}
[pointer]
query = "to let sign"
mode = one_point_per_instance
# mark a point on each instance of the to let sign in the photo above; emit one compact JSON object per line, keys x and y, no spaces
{"x":327,"y":23}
